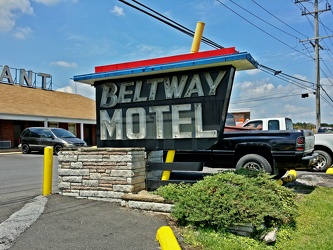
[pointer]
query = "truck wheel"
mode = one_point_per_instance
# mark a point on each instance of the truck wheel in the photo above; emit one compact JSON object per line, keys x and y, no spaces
{"x":324,"y":161}
{"x":254,"y":162}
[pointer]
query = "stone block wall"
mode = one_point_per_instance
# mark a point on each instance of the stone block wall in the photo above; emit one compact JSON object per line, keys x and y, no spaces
{"x":101,"y":173}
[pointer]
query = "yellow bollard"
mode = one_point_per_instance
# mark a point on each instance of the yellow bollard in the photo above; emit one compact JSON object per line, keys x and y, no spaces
{"x":169,"y":158}
{"x":167,"y":239}
{"x":329,"y":171}
{"x":47,"y":173}
{"x":293,"y":173}
{"x":290,"y":177}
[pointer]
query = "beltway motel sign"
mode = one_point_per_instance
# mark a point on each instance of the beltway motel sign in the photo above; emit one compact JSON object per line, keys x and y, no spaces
{"x":178,"y":102}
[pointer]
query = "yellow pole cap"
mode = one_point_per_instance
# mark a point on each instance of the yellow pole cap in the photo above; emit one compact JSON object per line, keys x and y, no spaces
{"x":292,"y":172}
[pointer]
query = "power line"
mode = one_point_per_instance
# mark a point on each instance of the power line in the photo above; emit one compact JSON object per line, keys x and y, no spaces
{"x":263,"y":19}
{"x":260,"y":28}
{"x":317,"y":46}
{"x":326,"y":93}
{"x":277,"y":73}
{"x":170,"y":22}
{"x":256,"y":99}
{"x":287,"y":77}
{"x":279,"y":19}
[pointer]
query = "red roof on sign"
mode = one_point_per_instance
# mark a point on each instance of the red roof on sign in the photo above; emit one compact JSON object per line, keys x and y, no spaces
{"x":163,"y":60}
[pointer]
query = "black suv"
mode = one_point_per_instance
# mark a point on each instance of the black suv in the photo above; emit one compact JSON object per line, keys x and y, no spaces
{"x":36,"y":138}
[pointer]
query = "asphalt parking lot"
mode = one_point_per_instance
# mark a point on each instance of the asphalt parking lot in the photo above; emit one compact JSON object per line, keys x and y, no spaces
{"x":68,"y":222}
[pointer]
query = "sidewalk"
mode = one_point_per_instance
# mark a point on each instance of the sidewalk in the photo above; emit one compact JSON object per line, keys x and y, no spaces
{"x":71,"y":223}
{"x":10,"y":150}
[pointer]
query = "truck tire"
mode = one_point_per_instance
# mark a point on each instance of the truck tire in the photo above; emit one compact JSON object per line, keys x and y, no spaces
{"x":254,"y":162}
{"x":324,"y":161}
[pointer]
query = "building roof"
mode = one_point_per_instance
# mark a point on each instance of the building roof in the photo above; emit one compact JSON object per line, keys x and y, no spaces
{"x":20,"y":100}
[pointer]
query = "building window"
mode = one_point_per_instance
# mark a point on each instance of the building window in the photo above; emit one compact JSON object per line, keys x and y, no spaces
{"x":72,"y":128}
{"x":53,"y":125}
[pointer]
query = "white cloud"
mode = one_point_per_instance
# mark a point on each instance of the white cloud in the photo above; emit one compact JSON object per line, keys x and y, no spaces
{"x":143,"y":51}
{"x":67,"y":89}
{"x":293,"y":108}
{"x":297,"y":112}
{"x":246,"y":85}
{"x":64,"y":64}
{"x":257,"y":88}
{"x":79,"y":88}
{"x":9,"y":12}
{"x":301,"y":77}
{"x":267,"y":99}
{"x":326,"y":81}
{"x":118,"y":11}
{"x":253,"y":71}
{"x":21,"y":33}
{"x":53,"y":2}
{"x":47,"y":2}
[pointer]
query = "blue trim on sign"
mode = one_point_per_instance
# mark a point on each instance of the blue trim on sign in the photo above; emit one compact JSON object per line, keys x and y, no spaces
{"x":169,"y":66}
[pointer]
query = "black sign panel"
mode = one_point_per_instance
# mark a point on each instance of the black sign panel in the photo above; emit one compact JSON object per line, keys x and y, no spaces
{"x":180,"y":110}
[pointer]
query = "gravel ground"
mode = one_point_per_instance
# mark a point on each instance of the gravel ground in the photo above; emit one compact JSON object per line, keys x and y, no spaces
{"x":306,"y":183}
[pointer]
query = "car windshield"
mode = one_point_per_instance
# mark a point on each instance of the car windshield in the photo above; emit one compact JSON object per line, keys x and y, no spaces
{"x":62,"y":133}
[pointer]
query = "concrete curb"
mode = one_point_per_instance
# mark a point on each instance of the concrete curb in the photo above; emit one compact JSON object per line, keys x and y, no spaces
{"x":10,"y":153}
{"x":19,"y":221}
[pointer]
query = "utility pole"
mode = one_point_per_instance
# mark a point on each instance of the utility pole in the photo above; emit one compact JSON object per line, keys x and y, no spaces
{"x":316,"y":47}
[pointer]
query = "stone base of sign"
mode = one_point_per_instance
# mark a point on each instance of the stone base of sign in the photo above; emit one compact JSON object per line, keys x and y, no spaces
{"x":101,"y":173}
{"x":110,"y":174}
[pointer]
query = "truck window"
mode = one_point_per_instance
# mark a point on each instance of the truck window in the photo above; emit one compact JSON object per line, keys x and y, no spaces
{"x":254,"y":124}
{"x":273,"y":125}
{"x":289,"y":124}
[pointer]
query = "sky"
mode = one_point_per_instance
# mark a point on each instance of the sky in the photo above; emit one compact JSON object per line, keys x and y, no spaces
{"x":66,"y":38}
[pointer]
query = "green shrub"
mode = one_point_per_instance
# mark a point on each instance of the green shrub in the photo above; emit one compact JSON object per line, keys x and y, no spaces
{"x":173,"y":192}
{"x":226,"y":199}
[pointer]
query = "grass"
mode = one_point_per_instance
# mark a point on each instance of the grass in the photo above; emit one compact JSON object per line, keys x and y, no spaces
{"x":312,"y":230}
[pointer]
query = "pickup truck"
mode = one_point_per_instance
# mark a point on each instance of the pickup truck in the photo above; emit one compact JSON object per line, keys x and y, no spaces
{"x":323,"y":141}
{"x":274,"y":152}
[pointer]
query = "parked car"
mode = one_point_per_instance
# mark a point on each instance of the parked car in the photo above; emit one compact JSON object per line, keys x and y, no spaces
{"x":325,"y":130}
{"x":37,"y":138}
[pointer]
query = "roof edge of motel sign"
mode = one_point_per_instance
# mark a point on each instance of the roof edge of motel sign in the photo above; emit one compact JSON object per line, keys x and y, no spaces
{"x":169,"y":104}
{"x":218,"y":57}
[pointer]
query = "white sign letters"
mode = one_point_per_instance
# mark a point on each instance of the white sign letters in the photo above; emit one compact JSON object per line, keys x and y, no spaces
{"x":158,"y":108}
{"x":27,"y":78}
